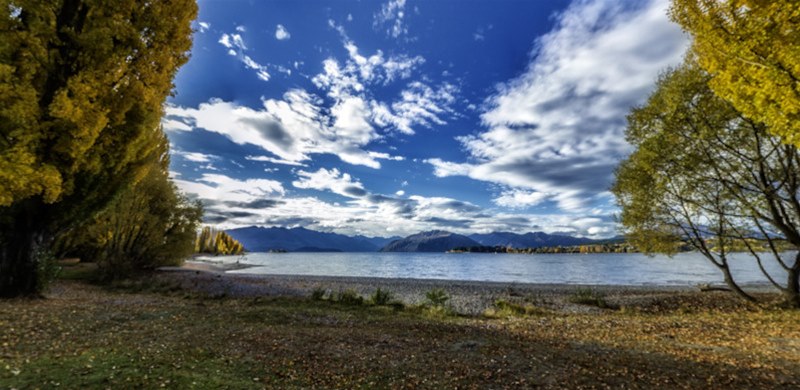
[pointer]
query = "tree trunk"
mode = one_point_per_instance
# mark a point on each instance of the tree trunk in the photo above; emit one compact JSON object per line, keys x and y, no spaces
{"x":734,"y":286}
{"x":22,"y":242}
{"x":792,"y":291}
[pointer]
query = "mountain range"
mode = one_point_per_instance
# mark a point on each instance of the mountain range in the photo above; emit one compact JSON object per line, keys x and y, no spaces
{"x":261,"y":239}
{"x":432,"y":241}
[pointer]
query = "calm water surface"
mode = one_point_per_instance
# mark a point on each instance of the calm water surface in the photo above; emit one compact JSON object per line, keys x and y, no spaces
{"x":613,"y":269}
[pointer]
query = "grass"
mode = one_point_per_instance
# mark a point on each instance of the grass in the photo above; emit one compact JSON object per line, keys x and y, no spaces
{"x":589,"y":297}
{"x":87,"y":336}
{"x":506,"y":309}
{"x":381,"y":297}
{"x":437,"y":297}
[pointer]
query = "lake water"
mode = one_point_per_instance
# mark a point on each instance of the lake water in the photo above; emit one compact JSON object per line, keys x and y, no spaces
{"x":597,"y":269}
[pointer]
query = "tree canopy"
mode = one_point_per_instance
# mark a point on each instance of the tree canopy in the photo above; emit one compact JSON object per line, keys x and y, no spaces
{"x":751,"y":49}
{"x":82,"y":84}
{"x":706,"y":174}
{"x":148,"y":225}
{"x":217,"y":242}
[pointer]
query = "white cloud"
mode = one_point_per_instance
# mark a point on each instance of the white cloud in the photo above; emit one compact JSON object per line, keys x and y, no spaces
{"x":274,"y":160}
{"x":174,"y":125}
{"x":301,"y":124}
{"x":385,"y":156}
{"x":331,"y":180}
{"x":194,"y":156}
{"x":519,"y":198}
{"x":557,"y":129}
{"x":392,"y":15}
{"x":291,"y":129}
{"x":400,"y":193}
{"x":281,"y":33}
{"x":217,"y":187}
{"x":234,"y":203}
{"x":445,"y":168}
{"x":241,"y":28}
{"x":204,"y":26}
{"x":420,"y":105}
{"x":237,"y":48}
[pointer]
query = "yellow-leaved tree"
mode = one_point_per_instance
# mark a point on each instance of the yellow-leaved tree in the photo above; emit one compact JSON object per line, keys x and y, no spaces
{"x":751,"y":49}
{"x":82,"y":84}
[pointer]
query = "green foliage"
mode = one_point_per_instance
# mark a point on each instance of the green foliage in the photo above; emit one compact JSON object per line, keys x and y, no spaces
{"x":349,"y":297}
{"x":704,"y":173}
{"x":47,"y":270}
{"x":437,"y":297}
{"x":587,"y":296}
{"x":381,"y":297}
{"x":148,"y":225}
{"x":217,"y":242}
{"x":752,"y":49}
{"x":318,"y":294}
{"x":82,"y":87}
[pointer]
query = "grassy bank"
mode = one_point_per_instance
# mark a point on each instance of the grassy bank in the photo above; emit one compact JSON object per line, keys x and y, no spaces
{"x":85,"y":336}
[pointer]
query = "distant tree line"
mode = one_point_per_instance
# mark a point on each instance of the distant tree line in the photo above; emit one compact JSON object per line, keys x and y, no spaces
{"x":217,"y":242}
{"x":595,"y":248}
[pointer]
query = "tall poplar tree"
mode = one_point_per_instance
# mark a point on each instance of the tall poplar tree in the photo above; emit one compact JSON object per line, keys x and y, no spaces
{"x":82,"y":84}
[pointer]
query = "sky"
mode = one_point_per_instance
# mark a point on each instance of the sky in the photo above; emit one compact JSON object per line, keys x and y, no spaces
{"x":387,"y":118}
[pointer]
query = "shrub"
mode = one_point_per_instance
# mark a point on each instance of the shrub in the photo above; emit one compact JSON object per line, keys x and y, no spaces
{"x":318,"y":294}
{"x":587,"y":296}
{"x":381,"y":297}
{"x":350,"y":297}
{"x":437,"y":297}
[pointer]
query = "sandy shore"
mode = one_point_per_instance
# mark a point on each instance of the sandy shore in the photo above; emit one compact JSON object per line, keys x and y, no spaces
{"x":466,"y":297}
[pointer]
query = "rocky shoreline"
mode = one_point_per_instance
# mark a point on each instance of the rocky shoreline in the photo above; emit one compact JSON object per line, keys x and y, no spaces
{"x":466,"y":297}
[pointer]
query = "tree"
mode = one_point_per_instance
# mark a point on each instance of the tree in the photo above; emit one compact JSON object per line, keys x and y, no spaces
{"x":217,"y":242}
{"x":82,"y":84}
{"x":705,"y":174}
{"x":752,"y":50}
{"x":148,"y":225}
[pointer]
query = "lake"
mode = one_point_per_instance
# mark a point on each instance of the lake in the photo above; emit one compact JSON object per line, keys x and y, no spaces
{"x":596,"y":269}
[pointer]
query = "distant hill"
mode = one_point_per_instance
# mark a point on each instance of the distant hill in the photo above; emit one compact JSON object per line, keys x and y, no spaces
{"x":529,"y":240}
{"x":261,"y":239}
{"x":432,"y":241}
{"x":378,"y":242}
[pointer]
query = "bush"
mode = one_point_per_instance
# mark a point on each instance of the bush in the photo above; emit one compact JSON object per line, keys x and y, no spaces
{"x":350,"y":297}
{"x":318,"y":294}
{"x":587,"y":296}
{"x":381,"y":297}
{"x":437,"y":297}
{"x":149,"y":224}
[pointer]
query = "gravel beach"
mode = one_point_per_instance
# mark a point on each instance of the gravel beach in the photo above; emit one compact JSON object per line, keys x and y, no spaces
{"x":466,"y":297}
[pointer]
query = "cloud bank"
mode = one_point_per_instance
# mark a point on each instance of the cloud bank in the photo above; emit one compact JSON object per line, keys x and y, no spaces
{"x":556,"y":131}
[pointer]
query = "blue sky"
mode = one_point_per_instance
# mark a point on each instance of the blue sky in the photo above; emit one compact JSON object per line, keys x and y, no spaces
{"x":389,"y":118}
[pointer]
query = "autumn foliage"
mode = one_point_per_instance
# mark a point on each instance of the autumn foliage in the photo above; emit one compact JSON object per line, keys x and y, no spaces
{"x":217,"y":242}
{"x":82,"y":84}
{"x":751,"y":48}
